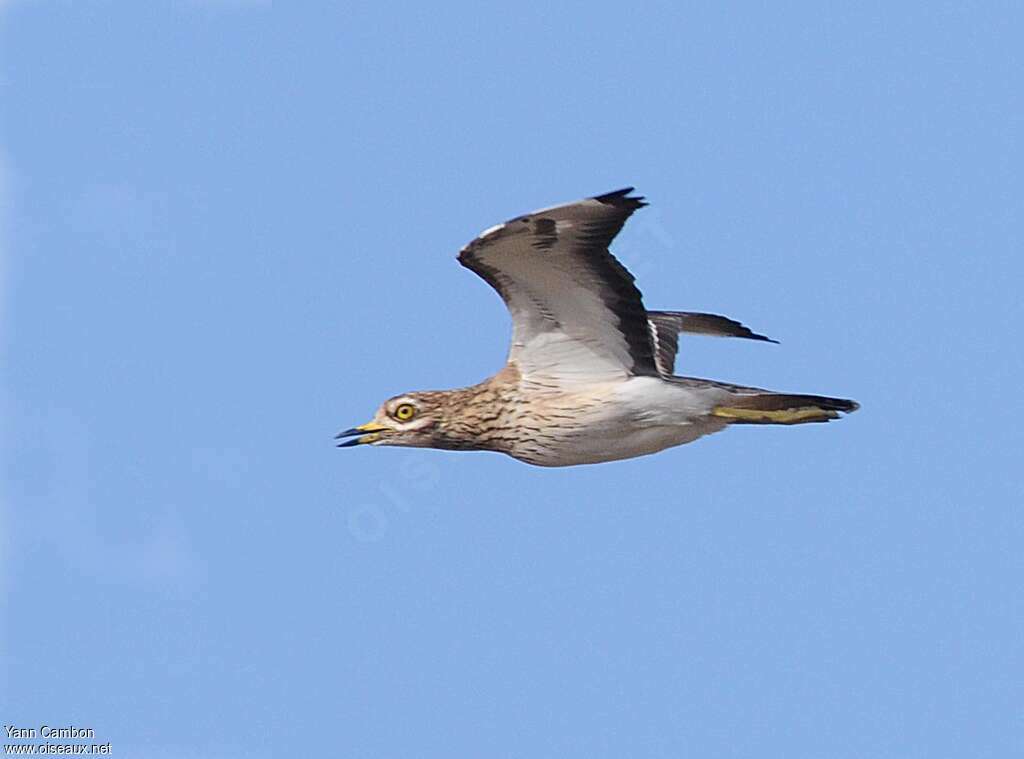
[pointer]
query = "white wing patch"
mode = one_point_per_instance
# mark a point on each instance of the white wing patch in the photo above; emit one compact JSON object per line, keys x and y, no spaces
{"x":491,"y":230}
{"x":577,"y":317}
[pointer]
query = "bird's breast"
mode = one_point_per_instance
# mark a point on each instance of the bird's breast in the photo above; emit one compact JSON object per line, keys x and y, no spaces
{"x":634,"y":418}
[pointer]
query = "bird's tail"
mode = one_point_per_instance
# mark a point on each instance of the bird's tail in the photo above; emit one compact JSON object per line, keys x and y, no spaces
{"x":765,"y":407}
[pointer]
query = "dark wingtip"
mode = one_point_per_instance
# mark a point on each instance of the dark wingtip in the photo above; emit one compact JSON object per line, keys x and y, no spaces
{"x":620,"y":199}
{"x":742,"y":330}
{"x":763,"y":338}
{"x":710,"y":324}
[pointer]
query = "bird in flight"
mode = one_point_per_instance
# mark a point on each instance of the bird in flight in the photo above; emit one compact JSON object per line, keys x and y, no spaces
{"x":590,"y":371}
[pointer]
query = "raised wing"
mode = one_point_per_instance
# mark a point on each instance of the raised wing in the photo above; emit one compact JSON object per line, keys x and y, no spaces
{"x":577,"y":317}
{"x":666,"y":326}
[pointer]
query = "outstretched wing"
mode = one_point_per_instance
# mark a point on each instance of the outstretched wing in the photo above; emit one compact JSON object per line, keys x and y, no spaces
{"x":666,"y":326}
{"x":577,"y":317}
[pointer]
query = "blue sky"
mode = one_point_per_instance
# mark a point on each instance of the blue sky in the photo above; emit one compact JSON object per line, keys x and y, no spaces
{"x":228,"y":231}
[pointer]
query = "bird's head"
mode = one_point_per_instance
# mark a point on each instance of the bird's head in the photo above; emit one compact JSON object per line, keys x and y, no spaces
{"x":410,"y":419}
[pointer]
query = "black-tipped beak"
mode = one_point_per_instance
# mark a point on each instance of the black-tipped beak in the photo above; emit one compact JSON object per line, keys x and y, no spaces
{"x":364,"y":433}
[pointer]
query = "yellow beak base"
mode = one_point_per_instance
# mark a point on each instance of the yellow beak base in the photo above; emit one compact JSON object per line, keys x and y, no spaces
{"x":365,"y":433}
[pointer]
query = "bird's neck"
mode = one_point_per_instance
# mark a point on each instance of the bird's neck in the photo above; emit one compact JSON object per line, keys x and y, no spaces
{"x":480,"y":416}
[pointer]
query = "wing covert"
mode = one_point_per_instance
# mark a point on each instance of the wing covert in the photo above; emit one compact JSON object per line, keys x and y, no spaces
{"x":577,"y":315}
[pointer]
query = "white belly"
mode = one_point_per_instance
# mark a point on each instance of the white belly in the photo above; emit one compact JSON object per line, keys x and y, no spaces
{"x":637,"y":417}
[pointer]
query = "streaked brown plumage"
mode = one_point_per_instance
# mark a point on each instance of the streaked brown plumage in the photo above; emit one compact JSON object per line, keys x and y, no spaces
{"x":589,"y":376}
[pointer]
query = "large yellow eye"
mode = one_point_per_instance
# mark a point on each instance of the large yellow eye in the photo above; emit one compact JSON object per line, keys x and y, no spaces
{"x":405,"y":412}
